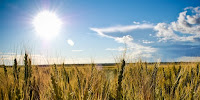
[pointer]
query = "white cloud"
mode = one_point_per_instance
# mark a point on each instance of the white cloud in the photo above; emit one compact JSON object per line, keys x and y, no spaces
{"x":77,"y":50}
{"x":189,"y":59}
{"x":136,"y":50}
{"x":124,"y":39}
{"x":70,"y":42}
{"x":8,"y":58}
{"x":185,"y":25}
{"x":134,"y":22}
{"x":37,"y":59}
{"x":116,"y":49}
{"x":122,"y":28}
{"x":7,"y":53}
{"x":102,"y":31}
{"x":164,"y":32}
{"x":147,"y":42}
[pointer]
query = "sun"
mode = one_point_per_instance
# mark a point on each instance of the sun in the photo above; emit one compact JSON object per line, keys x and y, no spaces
{"x":47,"y":25}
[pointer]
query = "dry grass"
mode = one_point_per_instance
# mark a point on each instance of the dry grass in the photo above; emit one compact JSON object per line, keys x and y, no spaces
{"x":139,"y":81}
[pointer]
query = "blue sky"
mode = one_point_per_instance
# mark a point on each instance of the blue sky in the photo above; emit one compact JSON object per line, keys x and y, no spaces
{"x":99,"y":29}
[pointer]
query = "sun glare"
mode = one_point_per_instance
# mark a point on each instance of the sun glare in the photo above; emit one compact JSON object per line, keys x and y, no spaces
{"x":47,"y":24}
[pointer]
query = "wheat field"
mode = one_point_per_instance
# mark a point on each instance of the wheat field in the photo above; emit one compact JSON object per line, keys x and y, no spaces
{"x":123,"y":81}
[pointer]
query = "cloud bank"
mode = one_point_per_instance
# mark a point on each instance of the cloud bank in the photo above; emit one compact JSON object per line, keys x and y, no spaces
{"x":186,"y":28}
{"x":77,"y":50}
{"x":38,"y":59}
{"x":189,"y":59}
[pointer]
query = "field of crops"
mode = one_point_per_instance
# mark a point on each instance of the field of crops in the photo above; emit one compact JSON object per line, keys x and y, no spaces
{"x":136,"y":81}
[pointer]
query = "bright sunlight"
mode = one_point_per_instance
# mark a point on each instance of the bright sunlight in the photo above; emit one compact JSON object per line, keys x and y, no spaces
{"x":47,"y":24}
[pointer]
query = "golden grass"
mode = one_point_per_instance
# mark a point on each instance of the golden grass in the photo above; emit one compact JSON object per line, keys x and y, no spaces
{"x":139,"y":81}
